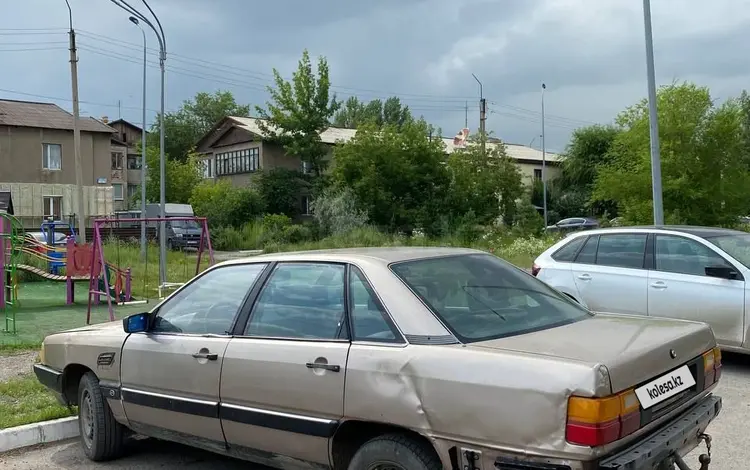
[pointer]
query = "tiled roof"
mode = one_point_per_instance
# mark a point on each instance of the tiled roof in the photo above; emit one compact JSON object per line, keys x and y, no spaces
{"x":46,"y":116}
{"x":333,"y":135}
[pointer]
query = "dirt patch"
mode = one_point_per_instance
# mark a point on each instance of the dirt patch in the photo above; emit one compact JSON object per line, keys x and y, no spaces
{"x":16,"y":365}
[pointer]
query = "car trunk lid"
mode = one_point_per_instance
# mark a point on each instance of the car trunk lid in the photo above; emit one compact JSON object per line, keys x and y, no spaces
{"x":634,"y":349}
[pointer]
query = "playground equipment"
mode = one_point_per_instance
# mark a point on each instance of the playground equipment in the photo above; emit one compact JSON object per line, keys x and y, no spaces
{"x":10,"y":240}
{"x":98,"y":258}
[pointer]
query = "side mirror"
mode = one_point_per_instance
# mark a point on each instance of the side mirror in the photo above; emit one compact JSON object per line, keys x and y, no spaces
{"x":722,"y":272}
{"x":137,"y":323}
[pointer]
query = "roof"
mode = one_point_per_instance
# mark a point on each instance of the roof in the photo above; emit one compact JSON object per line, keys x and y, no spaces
{"x":6,"y":202}
{"x":333,"y":135}
{"x":384,"y":255}
{"x":127,"y":123}
{"x":698,"y":231}
{"x":46,"y":116}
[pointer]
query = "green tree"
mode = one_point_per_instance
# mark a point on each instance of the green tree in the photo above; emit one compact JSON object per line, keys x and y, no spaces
{"x":299,"y":111}
{"x":181,"y":177}
{"x":705,"y":179}
{"x":399,"y":177}
{"x":183,"y":128}
{"x":225,"y":205}
{"x":280,"y":189}
{"x":488,"y":184}
{"x":355,"y":113}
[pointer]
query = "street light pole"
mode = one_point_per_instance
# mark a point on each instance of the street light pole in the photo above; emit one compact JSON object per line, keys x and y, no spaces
{"x":544,"y":163}
{"x":653,"y":118}
{"x":81,"y":216}
{"x":482,"y":114}
{"x":134,"y":20}
{"x":162,"y":186}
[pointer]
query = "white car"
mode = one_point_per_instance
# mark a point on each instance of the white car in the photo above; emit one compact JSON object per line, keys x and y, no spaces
{"x":690,"y":273}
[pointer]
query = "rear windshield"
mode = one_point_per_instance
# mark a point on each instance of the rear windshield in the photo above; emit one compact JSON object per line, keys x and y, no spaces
{"x":481,"y":297}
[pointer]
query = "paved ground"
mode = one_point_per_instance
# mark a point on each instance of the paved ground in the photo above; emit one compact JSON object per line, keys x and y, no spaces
{"x":730,"y":452}
{"x":15,"y":365}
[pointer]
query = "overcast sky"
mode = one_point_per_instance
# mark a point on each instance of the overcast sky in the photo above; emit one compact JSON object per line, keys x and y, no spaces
{"x":590,"y":54}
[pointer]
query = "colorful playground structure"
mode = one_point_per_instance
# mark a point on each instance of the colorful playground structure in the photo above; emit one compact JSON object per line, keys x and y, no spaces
{"x":57,"y":254}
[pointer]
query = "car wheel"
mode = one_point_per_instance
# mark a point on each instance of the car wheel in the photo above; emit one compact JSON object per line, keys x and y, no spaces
{"x":102,"y":437}
{"x":395,"y":452}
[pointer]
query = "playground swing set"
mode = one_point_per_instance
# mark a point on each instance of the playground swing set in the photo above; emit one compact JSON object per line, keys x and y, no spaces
{"x":80,"y":262}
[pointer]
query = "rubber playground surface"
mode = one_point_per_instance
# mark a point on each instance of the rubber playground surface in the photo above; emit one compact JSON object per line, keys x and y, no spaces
{"x":42,"y":311}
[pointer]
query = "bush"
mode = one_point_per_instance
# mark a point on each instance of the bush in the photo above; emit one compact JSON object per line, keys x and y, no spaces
{"x":224,"y":205}
{"x":336,"y":212}
{"x":528,"y":221}
{"x":280,"y":189}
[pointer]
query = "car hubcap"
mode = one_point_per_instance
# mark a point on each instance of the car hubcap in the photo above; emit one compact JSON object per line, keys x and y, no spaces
{"x":87,"y":418}
{"x":385,"y":466}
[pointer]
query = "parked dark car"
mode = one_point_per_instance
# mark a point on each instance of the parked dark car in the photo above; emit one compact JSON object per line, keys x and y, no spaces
{"x":574,"y":223}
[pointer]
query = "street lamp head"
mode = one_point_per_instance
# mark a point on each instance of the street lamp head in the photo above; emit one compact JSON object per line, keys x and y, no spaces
{"x":134,"y":20}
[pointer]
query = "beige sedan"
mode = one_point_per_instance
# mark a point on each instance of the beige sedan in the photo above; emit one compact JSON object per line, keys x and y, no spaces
{"x":390,"y":358}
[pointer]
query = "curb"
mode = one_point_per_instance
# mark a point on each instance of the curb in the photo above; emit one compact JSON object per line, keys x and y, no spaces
{"x":38,"y":433}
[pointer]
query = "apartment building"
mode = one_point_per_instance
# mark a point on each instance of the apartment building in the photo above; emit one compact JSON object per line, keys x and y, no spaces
{"x":37,"y":162}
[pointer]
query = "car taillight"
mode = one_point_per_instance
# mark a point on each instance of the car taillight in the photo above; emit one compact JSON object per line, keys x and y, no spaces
{"x":711,"y":367}
{"x":598,"y":421}
{"x":535,"y":268}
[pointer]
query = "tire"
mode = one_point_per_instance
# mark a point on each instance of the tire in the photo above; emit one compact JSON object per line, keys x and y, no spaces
{"x":102,"y":438}
{"x":395,"y":451}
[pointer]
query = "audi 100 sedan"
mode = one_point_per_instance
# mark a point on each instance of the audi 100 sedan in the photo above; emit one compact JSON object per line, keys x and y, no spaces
{"x":390,"y":358}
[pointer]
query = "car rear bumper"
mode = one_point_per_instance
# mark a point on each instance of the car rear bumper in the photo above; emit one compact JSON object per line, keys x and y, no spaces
{"x":679,"y":436}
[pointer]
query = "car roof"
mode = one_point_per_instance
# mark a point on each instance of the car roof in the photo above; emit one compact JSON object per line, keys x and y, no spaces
{"x":695,"y":230}
{"x":383,"y":255}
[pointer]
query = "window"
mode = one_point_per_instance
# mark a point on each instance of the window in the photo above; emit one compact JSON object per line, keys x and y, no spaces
{"x":132,"y":190}
{"x":306,"y":207}
{"x":209,"y":304}
{"x":239,"y":161}
{"x":370,"y":322}
{"x":537,"y":173}
{"x":684,"y":256}
{"x":52,"y":207}
{"x":568,"y":252}
{"x":301,"y":300}
{"x":208,"y":168}
{"x":118,"y":159}
{"x":587,"y":255}
{"x":625,"y":250}
{"x":736,"y":246}
{"x":124,"y":137}
{"x":134,"y":162}
{"x":306,"y":167}
{"x":52,"y":156}
{"x":117,"y":191}
{"x":480,"y":297}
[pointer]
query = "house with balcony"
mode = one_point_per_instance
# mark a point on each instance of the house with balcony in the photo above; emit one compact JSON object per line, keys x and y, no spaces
{"x":37,"y":162}
{"x":126,"y":161}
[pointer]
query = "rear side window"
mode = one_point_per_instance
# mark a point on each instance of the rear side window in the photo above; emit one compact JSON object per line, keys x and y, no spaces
{"x":567,"y":253}
{"x":480,"y":297}
{"x":625,"y":250}
{"x":587,"y":255}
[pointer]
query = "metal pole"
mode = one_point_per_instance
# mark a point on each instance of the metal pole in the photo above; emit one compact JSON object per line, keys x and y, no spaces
{"x":80,"y":213}
{"x":482,"y":114}
{"x":134,"y":20}
{"x":653,"y":119}
{"x":544,"y":163}
{"x":162,"y":187}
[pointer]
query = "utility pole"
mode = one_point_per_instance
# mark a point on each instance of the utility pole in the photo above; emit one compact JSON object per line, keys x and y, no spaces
{"x":466,"y":119}
{"x":482,"y":114}
{"x":80,"y":213}
{"x":653,"y":119}
{"x":544,"y":163}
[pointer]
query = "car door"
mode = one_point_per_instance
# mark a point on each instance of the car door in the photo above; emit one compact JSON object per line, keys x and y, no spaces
{"x":170,"y":374}
{"x":678,"y":287}
{"x":609,"y":273}
{"x":282,"y":385}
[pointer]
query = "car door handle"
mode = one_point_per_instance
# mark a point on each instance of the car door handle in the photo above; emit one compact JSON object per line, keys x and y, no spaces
{"x":584,"y":277}
{"x":331,"y":367}
{"x":658,"y":285}
{"x":206,"y":355}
